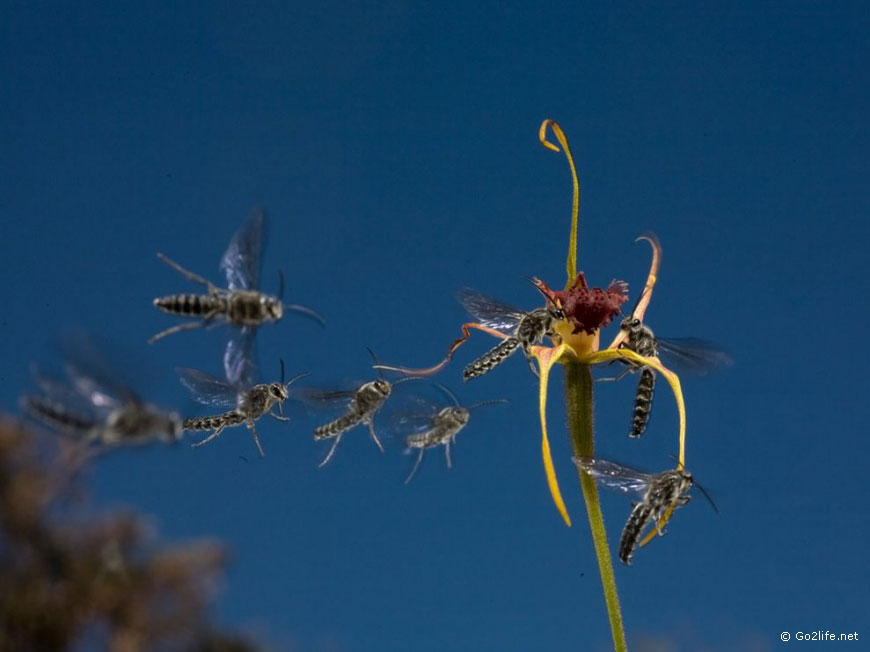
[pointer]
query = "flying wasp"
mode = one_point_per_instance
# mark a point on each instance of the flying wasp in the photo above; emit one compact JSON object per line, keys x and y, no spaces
{"x":526,"y":328}
{"x":361,"y":404}
{"x":241,"y":304}
{"x":686,"y":354}
{"x":91,"y":404}
{"x":441,"y":428}
{"x":660,"y":492}
{"x":246,"y":401}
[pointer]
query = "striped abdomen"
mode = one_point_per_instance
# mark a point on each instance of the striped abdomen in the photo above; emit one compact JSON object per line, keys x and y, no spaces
{"x":640,"y":516}
{"x":491,"y":358}
{"x":226,"y":419}
{"x":56,"y":416}
{"x":335,"y":428}
{"x":194,"y":305}
{"x":643,"y":402}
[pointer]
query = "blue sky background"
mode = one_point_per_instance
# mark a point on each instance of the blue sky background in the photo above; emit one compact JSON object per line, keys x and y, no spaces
{"x":395,"y":150}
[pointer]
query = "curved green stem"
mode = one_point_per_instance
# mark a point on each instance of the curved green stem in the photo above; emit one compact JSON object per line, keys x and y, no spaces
{"x":578,"y":398}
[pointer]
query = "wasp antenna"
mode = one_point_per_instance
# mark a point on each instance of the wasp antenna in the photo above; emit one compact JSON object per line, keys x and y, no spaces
{"x":491,"y":401}
{"x":444,"y":390}
{"x":282,"y":369}
{"x":377,"y":363}
{"x":295,"y":378}
{"x":405,"y":379}
{"x":280,"y":284}
{"x":308,"y":312}
{"x":706,"y":495}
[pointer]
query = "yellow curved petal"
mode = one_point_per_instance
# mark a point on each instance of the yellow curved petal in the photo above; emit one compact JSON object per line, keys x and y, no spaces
{"x":575,"y":204}
{"x":546,"y":357}
{"x":646,"y":295}
{"x":649,"y":537}
{"x":670,"y":376}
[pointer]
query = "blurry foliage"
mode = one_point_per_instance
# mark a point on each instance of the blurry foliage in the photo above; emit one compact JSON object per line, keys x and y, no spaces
{"x":73,"y":581}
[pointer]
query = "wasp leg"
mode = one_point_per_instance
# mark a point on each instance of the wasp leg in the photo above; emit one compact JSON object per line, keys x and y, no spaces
{"x":447,"y":454}
{"x":217,"y":431}
{"x":253,"y":430}
{"x":331,"y":450}
{"x":416,"y":465}
{"x":186,"y":326}
{"x":371,"y":424}
{"x":532,"y":366}
{"x":617,"y":377}
{"x":190,"y":276}
{"x":280,"y":417}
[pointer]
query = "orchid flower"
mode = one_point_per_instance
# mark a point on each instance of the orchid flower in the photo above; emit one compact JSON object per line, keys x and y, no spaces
{"x":576,"y":346}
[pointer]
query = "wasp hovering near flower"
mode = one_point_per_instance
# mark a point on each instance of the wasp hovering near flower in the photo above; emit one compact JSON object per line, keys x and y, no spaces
{"x":684,"y":354}
{"x":93,"y":405}
{"x":361,"y":403}
{"x":241,"y":304}
{"x":247,"y":402}
{"x":441,"y":428}
{"x":660,"y":493}
{"x":526,"y":328}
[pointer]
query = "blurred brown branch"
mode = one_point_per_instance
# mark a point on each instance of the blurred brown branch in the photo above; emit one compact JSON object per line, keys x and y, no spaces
{"x":80,"y":581}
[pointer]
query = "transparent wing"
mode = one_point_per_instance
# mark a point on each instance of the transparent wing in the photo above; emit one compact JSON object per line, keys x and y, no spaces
{"x":405,"y":415}
{"x":90,"y":372}
{"x":241,"y":261}
{"x":240,"y":365}
{"x":691,"y":355}
{"x":64,"y":393}
{"x":489,"y":311}
{"x":207,"y":389}
{"x":318,"y":397}
{"x":615,"y":476}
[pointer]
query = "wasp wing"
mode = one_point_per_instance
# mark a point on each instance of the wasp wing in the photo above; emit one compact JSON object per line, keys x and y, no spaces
{"x":692,"y":355}
{"x":409,"y":414}
{"x":240,"y":365}
{"x":207,"y":389}
{"x":241,"y":261}
{"x":488,"y":311}
{"x":89,"y":371}
{"x":615,"y":476}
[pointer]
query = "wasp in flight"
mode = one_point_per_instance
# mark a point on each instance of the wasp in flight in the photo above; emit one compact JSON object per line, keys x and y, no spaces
{"x":686,"y":354}
{"x":241,"y":304}
{"x":246,"y":402}
{"x":91,"y":403}
{"x":441,"y":428}
{"x":361,"y":404}
{"x":526,"y":328}
{"x":660,"y":492}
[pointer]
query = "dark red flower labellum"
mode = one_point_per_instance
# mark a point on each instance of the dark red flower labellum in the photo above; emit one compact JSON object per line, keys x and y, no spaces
{"x":588,"y":309}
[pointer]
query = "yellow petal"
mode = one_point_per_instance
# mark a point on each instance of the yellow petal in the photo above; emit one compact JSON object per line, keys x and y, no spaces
{"x":575,"y":204}
{"x":649,"y":537}
{"x":670,"y":376}
{"x":546,"y":357}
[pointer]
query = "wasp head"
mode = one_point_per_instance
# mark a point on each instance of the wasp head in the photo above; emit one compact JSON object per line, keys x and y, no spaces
{"x":382,"y":387}
{"x":272,"y":307}
{"x":456,"y":414}
{"x":631,"y":325}
{"x":278,"y":392}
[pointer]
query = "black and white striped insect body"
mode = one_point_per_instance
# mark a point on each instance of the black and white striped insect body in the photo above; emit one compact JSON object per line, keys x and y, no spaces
{"x":642,"y":341}
{"x":241,"y":304}
{"x":248,"y":404}
{"x":441,"y":428}
{"x":660,"y":492}
{"x":91,"y":404}
{"x":363,"y":405}
{"x":526,"y":328}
